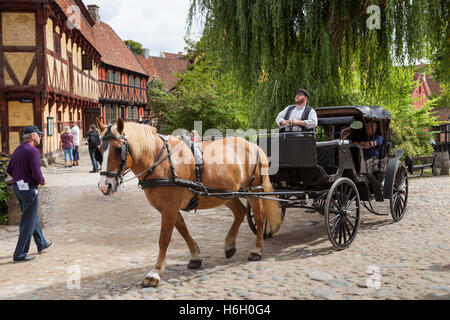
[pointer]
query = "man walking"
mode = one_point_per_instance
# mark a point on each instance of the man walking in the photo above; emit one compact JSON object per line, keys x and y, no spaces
{"x":25,"y":170}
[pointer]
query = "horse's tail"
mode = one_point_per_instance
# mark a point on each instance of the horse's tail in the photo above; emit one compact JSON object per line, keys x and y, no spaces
{"x":272,"y":210}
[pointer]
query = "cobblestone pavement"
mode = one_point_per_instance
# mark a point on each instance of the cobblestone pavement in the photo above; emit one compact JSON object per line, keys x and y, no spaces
{"x":111,"y":243}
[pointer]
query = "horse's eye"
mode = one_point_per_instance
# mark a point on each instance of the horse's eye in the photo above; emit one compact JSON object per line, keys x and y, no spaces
{"x":118,"y":149}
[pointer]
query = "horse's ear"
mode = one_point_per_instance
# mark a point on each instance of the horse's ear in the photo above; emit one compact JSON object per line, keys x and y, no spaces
{"x":100,"y":125}
{"x":120,"y":125}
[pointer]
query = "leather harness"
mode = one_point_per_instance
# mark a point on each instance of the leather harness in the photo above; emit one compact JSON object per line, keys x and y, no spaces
{"x":197,"y":187}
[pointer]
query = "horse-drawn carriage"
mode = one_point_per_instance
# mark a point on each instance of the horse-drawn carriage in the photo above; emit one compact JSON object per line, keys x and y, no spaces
{"x":328,"y":174}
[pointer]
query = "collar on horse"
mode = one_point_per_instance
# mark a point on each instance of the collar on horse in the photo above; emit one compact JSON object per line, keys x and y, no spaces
{"x":125,"y":149}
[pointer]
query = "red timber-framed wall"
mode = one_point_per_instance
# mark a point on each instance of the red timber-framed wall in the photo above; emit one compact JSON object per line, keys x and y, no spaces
{"x":123,"y":94}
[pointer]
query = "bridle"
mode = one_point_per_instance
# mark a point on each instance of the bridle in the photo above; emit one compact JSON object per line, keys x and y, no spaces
{"x":125,"y":149}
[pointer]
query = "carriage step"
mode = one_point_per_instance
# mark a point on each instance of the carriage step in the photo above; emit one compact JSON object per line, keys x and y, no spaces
{"x":258,"y":188}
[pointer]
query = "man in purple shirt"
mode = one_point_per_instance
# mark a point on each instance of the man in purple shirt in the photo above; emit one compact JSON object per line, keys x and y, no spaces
{"x":25,"y":170}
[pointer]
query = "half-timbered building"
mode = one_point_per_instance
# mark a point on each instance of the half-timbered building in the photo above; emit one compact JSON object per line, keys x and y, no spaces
{"x":122,"y":80}
{"x":48,"y":68}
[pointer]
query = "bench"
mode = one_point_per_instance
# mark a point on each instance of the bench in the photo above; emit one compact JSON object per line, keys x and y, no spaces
{"x":419,"y":163}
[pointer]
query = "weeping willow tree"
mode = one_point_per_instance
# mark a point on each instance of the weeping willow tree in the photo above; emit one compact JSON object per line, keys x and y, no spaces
{"x":277,"y":46}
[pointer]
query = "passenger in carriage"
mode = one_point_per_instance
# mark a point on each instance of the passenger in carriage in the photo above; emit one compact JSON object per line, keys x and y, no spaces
{"x":369,"y":141}
{"x":299,"y":116}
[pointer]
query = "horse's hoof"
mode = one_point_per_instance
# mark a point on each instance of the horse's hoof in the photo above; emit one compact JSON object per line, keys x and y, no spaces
{"x":230,"y":253}
{"x":194,"y":264}
{"x":254,"y":257}
{"x":150,"y":282}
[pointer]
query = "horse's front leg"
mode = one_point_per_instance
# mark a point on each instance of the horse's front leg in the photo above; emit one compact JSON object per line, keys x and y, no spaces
{"x":195,"y":261}
{"x":239,"y":212}
{"x":168,"y":220}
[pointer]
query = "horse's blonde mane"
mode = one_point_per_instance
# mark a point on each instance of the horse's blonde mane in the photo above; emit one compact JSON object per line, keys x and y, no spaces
{"x":141,"y":138}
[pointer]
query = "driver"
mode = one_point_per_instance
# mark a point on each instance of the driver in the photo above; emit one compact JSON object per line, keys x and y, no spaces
{"x":370,"y":142}
{"x":300,"y":116}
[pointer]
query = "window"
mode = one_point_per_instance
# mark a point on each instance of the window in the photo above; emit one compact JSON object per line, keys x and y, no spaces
{"x":122,"y":112}
{"x":137,"y":82}
{"x":117,"y":77}
{"x":59,"y":122}
{"x":57,"y":44}
{"x":86,"y":62}
{"x":131,"y":81}
{"x":132,"y":113}
{"x":50,"y":126}
{"x":110,"y":76}
{"x":110,"y":114}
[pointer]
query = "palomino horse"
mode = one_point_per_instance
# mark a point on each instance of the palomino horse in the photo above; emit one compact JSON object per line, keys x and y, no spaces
{"x":229,"y":164}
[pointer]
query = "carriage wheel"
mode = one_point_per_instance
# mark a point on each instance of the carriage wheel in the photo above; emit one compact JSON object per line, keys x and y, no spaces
{"x":252,"y":223}
{"x":341,"y":214}
{"x":399,"y":193}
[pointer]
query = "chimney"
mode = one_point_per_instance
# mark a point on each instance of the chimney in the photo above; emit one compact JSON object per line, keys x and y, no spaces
{"x":94,"y":11}
{"x":146,"y":53}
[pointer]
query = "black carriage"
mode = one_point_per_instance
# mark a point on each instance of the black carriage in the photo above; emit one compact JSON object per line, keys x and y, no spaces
{"x":327,"y":173}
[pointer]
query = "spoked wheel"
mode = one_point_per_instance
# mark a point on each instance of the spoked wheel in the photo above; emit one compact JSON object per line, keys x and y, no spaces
{"x":252,"y":223}
{"x":399,"y":193}
{"x":342,"y":209}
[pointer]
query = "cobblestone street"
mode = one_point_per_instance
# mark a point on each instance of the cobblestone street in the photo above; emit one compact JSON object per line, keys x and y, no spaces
{"x":112,"y":243}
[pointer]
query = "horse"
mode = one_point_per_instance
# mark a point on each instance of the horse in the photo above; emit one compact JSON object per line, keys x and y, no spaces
{"x":231,"y":164}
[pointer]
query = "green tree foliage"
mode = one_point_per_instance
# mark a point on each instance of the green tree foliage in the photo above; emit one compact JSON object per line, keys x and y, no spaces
{"x":5,"y":195}
{"x":410,"y":125}
{"x":135,"y":47}
{"x":277,"y":46}
{"x":207,"y":93}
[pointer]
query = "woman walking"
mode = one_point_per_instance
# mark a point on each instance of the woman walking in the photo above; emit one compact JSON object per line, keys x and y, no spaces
{"x":67,"y":145}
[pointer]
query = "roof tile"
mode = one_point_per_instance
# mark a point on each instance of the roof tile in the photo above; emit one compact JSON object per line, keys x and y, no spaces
{"x":113,"y":50}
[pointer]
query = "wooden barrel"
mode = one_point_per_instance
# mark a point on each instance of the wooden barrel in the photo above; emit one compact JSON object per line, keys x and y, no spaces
{"x":445,"y":164}
{"x":441,"y":164}
{"x":436,"y":169}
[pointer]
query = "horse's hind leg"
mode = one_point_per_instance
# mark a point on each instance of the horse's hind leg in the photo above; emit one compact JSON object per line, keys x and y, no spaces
{"x":195,"y":262}
{"x":258,"y":214}
{"x":169,"y":219}
{"x":239,"y":212}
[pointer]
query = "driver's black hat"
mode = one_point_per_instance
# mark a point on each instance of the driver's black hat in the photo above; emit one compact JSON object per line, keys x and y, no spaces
{"x":31,"y":129}
{"x":303,"y":92}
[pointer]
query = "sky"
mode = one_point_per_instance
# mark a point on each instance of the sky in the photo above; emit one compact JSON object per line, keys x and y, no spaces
{"x":158,"y":25}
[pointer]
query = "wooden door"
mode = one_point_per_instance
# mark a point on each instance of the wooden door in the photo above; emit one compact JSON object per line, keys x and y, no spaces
{"x":20,"y":115}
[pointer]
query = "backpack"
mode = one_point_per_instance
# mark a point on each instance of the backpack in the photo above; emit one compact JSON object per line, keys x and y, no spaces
{"x":305,"y":116}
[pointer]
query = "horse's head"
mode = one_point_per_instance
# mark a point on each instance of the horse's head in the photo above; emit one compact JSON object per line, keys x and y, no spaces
{"x":117,"y":157}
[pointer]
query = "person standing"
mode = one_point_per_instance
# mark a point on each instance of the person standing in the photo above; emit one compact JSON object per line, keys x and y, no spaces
{"x":76,"y":143}
{"x":25,"y":170}
{"x":148,"y":121}
{"x":93,"y":143}
{"x":299,"y":116}
{"x":66,"y":143}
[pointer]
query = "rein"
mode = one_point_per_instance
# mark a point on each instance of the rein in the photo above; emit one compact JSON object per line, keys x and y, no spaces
{"x":158,"y":160}
{"x":126,"y":148}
